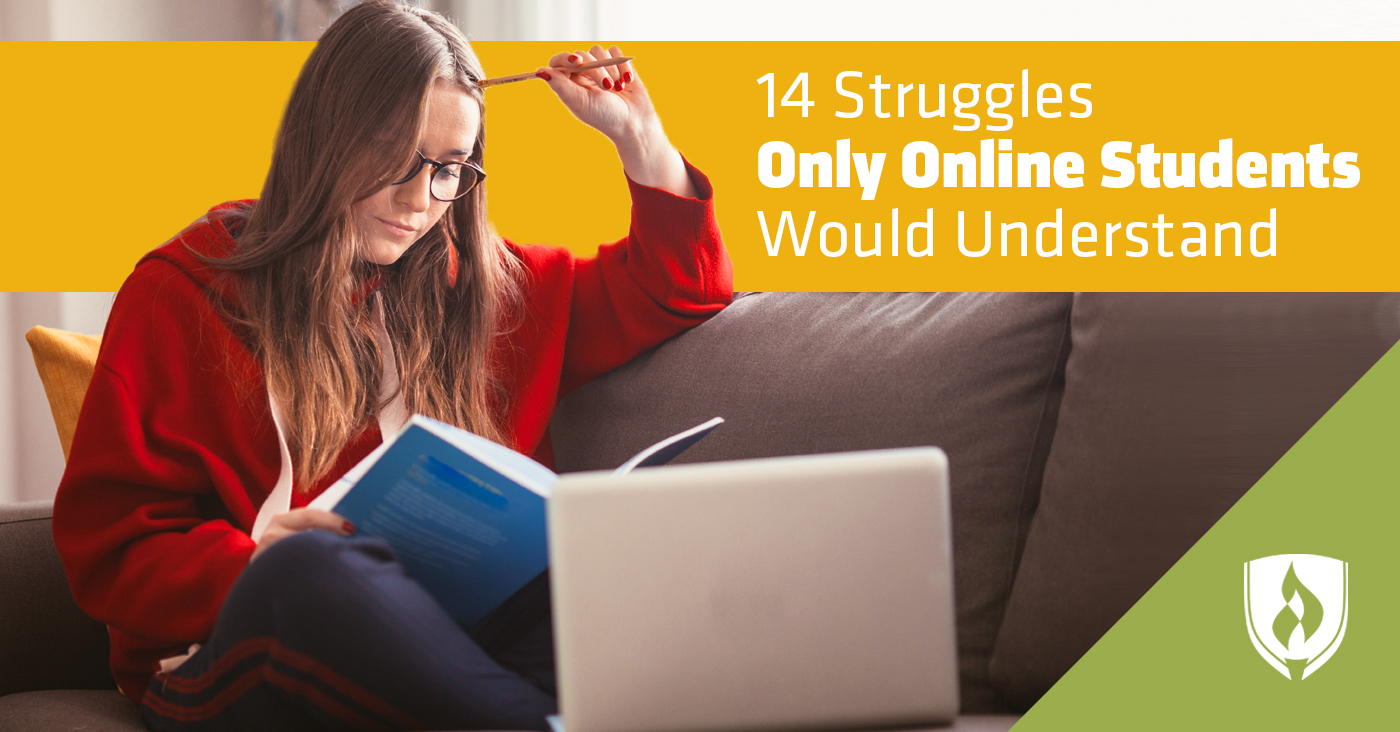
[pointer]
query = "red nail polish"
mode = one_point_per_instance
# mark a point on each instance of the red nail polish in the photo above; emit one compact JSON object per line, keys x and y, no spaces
{"x":543,"y":75}
{"x":348,"y":527}
{"x":627,"y":77}
{"x":573,"y":57}
{"x":607,"y":83}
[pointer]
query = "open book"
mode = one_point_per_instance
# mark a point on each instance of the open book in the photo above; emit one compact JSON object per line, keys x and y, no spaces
{"x":464,"y":515}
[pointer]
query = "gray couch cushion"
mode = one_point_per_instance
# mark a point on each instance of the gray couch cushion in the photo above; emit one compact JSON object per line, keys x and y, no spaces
{"x":1174,"y":406}
{"x":55,"y":711}
{"x":978,"y":375}
{"x":46,"y":642}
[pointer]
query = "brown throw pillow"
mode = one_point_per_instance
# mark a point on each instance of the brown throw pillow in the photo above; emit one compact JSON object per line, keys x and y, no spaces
{"x":1175,"y":405}
{"x":65,"y":362}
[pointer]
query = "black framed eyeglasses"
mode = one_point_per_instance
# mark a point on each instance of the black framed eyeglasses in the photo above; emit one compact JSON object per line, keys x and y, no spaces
{"x":450,"y":181}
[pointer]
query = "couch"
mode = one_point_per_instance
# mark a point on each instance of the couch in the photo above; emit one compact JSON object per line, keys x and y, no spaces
{"x":1092,"y":439}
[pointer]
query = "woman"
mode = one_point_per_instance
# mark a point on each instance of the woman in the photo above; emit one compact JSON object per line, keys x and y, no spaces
{"x":269,"y":347}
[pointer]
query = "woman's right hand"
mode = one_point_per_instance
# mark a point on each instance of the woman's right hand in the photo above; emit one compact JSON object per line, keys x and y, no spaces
{"x":298,"y":520}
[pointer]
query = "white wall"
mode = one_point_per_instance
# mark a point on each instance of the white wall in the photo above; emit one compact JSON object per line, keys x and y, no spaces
{"x":31,"y":459}
{"x":9,"y":419}
{"x":524,"y":20}
{"x":188,"y":20}
{"x":177,"y":20}
{"x":623,"y":20}
{"x":924,"y":20}
{"x":940,"y":20}
{"x":134,"y":20}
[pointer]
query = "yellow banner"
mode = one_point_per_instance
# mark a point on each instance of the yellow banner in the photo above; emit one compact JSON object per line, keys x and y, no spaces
{"x":837,"y":166}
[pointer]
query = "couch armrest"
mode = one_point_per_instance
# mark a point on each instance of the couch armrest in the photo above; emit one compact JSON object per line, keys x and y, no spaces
{"x":45,"y":640}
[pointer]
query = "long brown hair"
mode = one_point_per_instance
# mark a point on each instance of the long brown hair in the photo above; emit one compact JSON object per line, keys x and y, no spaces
{"x":352,"y":121}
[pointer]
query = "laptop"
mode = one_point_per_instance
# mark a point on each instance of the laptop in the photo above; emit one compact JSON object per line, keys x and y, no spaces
{"x":810,"y":592}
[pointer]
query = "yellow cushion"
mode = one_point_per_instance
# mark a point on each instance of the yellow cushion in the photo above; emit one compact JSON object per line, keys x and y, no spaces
{"x":65,"y":362}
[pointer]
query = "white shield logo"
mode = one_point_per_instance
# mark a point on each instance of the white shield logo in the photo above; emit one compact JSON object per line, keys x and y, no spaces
{"x":1295,"y":609}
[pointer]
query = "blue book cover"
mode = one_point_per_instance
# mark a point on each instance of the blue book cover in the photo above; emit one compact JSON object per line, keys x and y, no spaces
{"x":464,"y":515}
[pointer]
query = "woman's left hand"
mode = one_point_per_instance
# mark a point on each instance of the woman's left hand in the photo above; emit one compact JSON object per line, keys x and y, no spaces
{"x":614,"y":101}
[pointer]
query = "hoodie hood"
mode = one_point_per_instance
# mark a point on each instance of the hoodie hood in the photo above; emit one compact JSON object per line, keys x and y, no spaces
{"x":210,"y":235}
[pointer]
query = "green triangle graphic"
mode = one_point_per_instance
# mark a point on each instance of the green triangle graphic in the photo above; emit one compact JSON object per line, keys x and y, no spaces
{"x":1181,"y":658}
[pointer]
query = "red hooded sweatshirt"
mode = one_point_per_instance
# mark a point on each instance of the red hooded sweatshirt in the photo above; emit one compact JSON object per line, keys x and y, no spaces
{"x":172,"y":458}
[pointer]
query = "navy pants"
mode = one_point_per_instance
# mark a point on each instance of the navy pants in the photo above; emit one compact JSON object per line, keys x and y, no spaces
{"x":324,"y":632}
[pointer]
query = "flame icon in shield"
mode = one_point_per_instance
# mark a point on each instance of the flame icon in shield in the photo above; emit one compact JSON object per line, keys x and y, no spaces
{"x":1295,"y":609}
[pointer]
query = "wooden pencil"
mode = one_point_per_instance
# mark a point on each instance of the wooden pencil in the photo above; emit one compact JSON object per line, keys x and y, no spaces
{"x":486,"y":83}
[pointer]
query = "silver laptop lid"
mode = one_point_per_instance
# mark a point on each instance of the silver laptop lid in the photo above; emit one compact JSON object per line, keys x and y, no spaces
{"x":802,"y":592}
